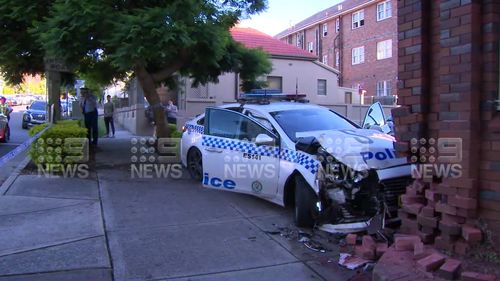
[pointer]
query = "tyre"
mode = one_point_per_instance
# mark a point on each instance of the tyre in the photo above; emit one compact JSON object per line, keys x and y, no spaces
{"x":195,"y":164}
{"x":305,"y":203}
{"x":24,"y":125}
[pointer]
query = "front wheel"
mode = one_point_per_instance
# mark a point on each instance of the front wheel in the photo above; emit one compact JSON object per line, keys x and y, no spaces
{"x":195,"y":164}
{"x":305,"y":202}
{"x":24,"y":125}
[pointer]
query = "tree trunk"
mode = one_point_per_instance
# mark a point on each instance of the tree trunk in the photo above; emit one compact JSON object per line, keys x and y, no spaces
{"x":149,"y":87}
{"x":54,"y":88}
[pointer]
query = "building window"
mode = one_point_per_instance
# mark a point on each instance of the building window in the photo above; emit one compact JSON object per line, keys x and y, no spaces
{"x":300,"y":40}
{"x":348,"y":98}
{"x":275,"y":83}
{"x":337,"y":58}
{"x":290,"y":40}
{"x":384,"y":10}
{"x":325,"y":59}
{"x":310,"y":47}
{"x":358,"y":55}
{"x":337,"y":25}
{"x":325,"y":30}
{"x":383,"y":88}
{"x":321,"y":87}
{"x":384,"y":49}
{"x":358,"y":19}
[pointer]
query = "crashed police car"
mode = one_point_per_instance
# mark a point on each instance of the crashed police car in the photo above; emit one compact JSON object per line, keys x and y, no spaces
{"x":336,"y":175}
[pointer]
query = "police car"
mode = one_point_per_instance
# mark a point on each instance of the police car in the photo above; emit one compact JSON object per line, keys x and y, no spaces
{"x":336,"y":175}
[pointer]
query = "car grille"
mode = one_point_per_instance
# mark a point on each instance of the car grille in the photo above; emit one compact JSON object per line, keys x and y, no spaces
{"x":392,"y":189}
{"x":38,"y":117}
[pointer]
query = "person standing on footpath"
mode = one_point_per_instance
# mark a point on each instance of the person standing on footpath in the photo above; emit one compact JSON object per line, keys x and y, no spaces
{"x":171,"y":110}
{"x":109,"y":110}
{"x":88,"y":104}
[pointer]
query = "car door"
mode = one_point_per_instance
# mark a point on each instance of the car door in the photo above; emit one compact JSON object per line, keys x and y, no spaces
{"x":239,"y":154}
{"x":375,"y":119}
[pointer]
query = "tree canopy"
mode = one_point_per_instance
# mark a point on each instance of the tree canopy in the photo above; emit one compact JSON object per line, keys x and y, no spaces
{"x":109,"y":39}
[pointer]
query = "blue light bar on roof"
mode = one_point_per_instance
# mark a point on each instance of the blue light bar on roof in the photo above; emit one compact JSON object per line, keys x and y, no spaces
{"x":270,"y":94}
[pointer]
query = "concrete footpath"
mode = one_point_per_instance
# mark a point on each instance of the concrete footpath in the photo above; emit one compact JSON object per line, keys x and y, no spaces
{"x":112,"y":227}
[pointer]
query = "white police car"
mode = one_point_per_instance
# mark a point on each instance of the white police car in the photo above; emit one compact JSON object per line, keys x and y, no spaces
{"x":336,"y":174}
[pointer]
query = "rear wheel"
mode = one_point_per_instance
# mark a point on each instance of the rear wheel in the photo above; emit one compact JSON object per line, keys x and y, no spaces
{"x":305,"y":202}
{"x":195,"y":164}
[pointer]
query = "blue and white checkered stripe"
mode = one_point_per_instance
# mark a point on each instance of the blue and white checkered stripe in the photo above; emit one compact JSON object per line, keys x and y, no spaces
{"x":194,"y":128}
{"x":301,"y":158}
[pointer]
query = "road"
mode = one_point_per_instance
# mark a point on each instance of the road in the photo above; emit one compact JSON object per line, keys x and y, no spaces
{"x":17,"y":134}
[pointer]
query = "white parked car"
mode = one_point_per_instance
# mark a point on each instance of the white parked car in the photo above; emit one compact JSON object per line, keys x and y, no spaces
{"x":334,"y":173}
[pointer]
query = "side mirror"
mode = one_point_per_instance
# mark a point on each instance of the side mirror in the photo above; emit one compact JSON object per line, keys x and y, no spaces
{"x":27,"y":107}
{"x":263,"y":139}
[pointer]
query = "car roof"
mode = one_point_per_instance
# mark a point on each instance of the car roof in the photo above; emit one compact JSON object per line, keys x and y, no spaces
{"x":276,"y":106}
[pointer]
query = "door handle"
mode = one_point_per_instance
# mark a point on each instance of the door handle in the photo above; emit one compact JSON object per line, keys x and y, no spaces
{"x":213,"y":150}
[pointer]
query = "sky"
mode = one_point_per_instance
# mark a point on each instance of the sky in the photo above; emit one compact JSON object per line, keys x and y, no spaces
{"x":281,"y":14}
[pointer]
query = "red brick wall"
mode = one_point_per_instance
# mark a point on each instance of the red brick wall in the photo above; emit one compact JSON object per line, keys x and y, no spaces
{"x":448,"y":71}
{"x":372,"y":70}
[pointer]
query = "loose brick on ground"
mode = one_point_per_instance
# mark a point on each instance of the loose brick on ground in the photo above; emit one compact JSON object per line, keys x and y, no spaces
{"x":368,"y":242}
{"x":419,"y":251}
{"x":443,"y":244}
{"x":427,"y":211}
{"x":471,"y":234}
{"x":432,"y":195}
{"x":366,"y":253}
{"x":381,"y":249}
{"x":475,"y":276}
{"x":431,"y":262}
{"x":408,"y":199}
{"x":413,"y":209}
{"x":450,"y":228}
{"x":461,"y":247}
{"x":429,"y":222}
{"x":406,"y":243}
{"x":449,"y":270}
{"x":351,"y":239}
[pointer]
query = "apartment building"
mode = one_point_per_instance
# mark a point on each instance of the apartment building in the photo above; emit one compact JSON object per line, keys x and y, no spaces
{"x":358,"y":38}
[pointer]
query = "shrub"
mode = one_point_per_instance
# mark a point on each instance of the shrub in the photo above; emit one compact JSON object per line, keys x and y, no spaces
{"x":174,"y":132}
{"x":35,"y":129}
{"x":63,"y":143}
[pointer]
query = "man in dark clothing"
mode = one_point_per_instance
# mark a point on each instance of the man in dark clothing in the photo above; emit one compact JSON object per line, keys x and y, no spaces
{"x":88,"y":104}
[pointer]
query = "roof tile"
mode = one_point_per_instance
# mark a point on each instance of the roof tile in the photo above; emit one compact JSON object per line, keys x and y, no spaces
{"x":252,"y":38}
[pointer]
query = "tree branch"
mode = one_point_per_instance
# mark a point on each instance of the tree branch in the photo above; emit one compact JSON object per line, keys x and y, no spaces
{"x":171,"y":69}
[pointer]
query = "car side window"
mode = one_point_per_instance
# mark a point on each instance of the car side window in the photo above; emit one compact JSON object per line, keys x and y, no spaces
{"x":229,"y":124}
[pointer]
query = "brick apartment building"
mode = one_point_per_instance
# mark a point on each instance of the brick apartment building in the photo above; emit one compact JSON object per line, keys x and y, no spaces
{"x":449,"y":88}
{"x":357,"y":37}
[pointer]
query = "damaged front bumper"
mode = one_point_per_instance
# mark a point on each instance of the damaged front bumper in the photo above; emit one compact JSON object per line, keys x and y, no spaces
{"x":372,"y":210}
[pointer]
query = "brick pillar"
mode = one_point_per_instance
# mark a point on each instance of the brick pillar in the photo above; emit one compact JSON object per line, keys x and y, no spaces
{"x":441,"y":81}
{"x":489,"y":175}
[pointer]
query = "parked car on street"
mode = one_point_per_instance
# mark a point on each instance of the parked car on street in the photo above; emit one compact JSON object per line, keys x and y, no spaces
{"x":11,"y":101}
{"x":35,"y":114}
{"x":334,"y":173}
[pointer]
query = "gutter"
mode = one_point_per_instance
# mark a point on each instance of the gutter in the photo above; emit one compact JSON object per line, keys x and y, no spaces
{"x":292,"y":57}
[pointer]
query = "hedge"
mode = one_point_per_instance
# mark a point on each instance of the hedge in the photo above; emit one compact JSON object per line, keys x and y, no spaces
{"x":60,"y":144}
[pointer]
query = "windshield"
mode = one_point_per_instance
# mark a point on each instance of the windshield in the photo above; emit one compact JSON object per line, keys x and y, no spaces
{"x":306,"y":120}
{"x":38,"y":106}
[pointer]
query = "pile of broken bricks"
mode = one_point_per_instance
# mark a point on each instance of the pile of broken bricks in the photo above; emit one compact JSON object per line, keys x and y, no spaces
{"x":438,"y":216}
{"x":427,"y":260}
